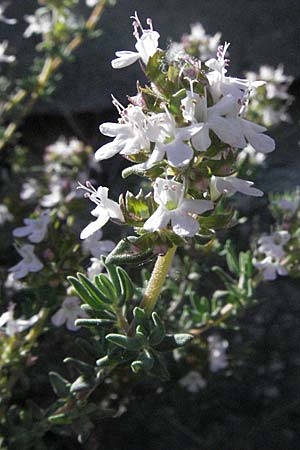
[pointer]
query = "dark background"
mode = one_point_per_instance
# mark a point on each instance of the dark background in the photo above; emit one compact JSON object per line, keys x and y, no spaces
{"x":254,"y":404}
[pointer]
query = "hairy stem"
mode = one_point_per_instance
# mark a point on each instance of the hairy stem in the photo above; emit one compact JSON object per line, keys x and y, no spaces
{"x":157,"y":280}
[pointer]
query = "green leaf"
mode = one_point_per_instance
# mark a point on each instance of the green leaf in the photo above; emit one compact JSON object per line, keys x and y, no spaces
{"x":158,"y":332}
{"x":82,"y":384}
{"x":85,"y":295}
{"x":60,"y":419}
{"x":94,"y":323}
{"x":112,"y":271}
{"x":98,"y":294}
{"x":81,"y":366}
{"x":144,"y":362}
{"x":60,"y":385}
{"x":231,"y":258}
{"x":106,"y":287}
{"x":126,"y":252}
{"x":127,"y":287}
{"x":128,"y":343}
{"x":171,"y":342}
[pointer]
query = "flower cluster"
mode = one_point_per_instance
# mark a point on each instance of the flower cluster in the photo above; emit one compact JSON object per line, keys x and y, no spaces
{"x":269,"y":105}
{"x":183,"y":132}
{"x":281,"y":249}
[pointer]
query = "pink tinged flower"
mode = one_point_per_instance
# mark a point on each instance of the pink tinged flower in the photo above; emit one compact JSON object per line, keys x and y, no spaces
{"x":272,"y":245}
{"x":146,"y":46}
{"x":29,"y":263}
{"x":105,"y":210}
{"x":35,"y":229}
{"x":68,"y":313}
{"x":130,"y":133}
{"x":174,"y":208}
{"x":14,"y":326}
{"x":271,"y":267}
{"x":231,"y":185}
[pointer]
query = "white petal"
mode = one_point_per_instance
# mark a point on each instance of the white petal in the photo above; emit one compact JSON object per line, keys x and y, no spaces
{"x":59,"y":318}
{"x":109,"y":150}
{"x":158,"y":220}
{"x":261,"y":142}
{"x":201,"y":140}
{"x":178,"y":153}
{"x":184,"y":225}
{"x":21,"y":231}
{"x":94,"y":226}
{"x":196,"y":206}
{"x":125,"y":58}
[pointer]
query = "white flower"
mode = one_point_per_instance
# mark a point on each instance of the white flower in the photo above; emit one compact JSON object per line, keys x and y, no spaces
{"x":170,"y":140}
{"x":39,"y":23}
{"x":272,"y":245}
{"x":208,"y":45}
{"x":95,"y":268}
{"x":193,"y":382}
{"x":14,"y":326}
{"x":217,"y":357}
{"x":146,"y":46}
{"x":29,"y":189}
{"x":4,"y":19}
{"x":5,"y":215}
{"x":223,"y":119}
{"x":222,"y":85}
{"x":69,"y":312}
{"x":91,"y":3}
{"x":29,"y":263}
{"x":130,"y":133}
{"x":231,"y":185}
{"x":14,"y":285}
{"x":63,"y":148}
{"x":3,"y":57}
{"x":56,"y":192}
{"x":174,"y":208}
{"x":35,"y":229}
{"x":106,"y":209}
{"x":94,"y":245}
{"x":270,"y":267}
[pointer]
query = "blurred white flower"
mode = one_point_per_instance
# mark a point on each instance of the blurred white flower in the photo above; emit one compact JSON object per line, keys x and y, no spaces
{"x":91,"y":3}
{"x":29,"y":263}
{"x":14,"y":326}
{"x":63,"y":148}
{"x":3,"y":57}
{"x":96,"y":246}
{"x":3,"y":18}
{"x":217,"y":357}
{"x":255,"y":158}
{"x":34,"y":229}
{"x":29,"y":189}
{"x":271,"y":267}
{"x":174,"y":208}
{"x":39,"y":23}
{"x":146,"y":46}
{"x":95,"y":268}
{"x":5,"y":215}
{"x":69,"y":312}
{"x":193,"y":382}
{"x":272,"y":245}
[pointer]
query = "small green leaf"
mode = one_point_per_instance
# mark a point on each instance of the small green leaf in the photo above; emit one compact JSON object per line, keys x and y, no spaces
{"x":127,"y":288}
{"x":170,"y":342}
{"x":98,"y":294}
{"x":60,"y":385}
{"x":82,"y":384}
{"x":60,"y":419}
{"x":158,"y":332}
{"x":128,"y":343}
